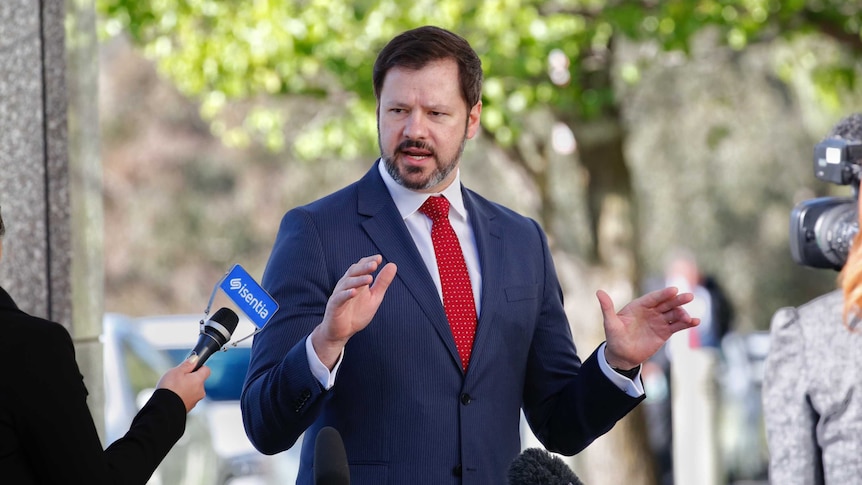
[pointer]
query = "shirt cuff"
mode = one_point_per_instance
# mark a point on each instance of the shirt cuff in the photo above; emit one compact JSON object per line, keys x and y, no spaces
{"x":318,"y":369}
{"x":632,"y":387}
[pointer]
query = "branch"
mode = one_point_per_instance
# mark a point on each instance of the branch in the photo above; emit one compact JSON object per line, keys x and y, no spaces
{"x":831,"y":27}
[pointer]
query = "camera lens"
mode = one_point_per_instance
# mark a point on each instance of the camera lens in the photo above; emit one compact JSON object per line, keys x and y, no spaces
{"x":834,"y":232}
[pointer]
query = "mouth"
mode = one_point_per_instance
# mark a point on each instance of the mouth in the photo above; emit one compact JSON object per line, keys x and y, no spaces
{"x":415,"y":151}
{"x":416,"y":154}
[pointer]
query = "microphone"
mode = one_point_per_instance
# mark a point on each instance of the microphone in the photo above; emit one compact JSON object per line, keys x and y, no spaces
{"x":535,"y":466}
{"x":215,"y":333}
{"x":330,"y":459}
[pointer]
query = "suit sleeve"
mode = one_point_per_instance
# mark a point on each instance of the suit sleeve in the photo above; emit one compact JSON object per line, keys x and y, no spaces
{"x":790,"y":420}
{"x":281,"y":396}
{"x":58,"y":432}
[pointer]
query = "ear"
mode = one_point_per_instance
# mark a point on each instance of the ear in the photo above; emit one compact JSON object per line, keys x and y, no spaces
{"x":473,"y":119}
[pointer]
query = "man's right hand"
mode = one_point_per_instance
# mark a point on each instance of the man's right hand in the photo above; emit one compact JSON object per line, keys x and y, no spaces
{"x":350,"y":308}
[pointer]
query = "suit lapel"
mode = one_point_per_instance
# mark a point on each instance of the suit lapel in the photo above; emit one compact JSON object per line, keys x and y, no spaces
{"x":386,"y":228}
{"x":489,"y":244}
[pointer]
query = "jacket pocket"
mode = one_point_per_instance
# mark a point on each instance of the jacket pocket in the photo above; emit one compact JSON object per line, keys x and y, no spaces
{"x":519,"y":293}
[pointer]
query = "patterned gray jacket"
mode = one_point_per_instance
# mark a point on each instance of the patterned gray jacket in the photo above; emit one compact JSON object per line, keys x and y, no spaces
{"x":812,"y":395}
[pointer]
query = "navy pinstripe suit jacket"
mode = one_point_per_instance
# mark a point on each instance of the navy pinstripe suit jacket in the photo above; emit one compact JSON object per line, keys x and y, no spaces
{"x":406,"y":411}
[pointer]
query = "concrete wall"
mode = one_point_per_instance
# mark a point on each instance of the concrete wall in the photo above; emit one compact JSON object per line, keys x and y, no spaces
{"x":50,"y":173}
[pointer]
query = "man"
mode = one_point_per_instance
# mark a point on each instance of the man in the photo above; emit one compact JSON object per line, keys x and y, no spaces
{"x":418,"y":401}
{"x":47,"y":435}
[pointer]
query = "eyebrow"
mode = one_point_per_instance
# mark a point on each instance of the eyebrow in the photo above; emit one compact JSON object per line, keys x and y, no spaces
{"x":434,"y":107}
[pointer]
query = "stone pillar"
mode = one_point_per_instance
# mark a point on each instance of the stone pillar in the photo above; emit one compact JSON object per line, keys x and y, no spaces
{"x":34,"y":181}
{"x":51,"y":200}
{"x":85,"y":179}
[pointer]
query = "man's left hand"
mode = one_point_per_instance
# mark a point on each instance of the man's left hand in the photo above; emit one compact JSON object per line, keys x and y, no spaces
{"x":640,"y":329}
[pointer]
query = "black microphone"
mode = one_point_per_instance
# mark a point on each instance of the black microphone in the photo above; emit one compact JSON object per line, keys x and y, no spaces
{"x":216,"y":332}
{"x":330,"y":459}
{"x":535,"y":466}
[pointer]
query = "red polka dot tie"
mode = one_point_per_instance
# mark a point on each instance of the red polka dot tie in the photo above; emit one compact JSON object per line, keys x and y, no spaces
{"x":457,"y":293}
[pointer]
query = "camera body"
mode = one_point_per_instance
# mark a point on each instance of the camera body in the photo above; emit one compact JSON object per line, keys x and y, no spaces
{"x":822,"y":229}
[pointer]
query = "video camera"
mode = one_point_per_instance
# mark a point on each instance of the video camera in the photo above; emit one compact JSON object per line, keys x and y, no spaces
{"x":822,"y":229}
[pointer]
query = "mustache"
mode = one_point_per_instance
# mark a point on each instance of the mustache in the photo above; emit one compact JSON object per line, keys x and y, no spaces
{"x":415,"y":144}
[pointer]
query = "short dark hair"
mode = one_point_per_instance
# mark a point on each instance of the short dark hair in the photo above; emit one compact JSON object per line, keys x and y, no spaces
{"x":848,"y":128}
{"x":415,"y":48}
{"x":2,"y":226}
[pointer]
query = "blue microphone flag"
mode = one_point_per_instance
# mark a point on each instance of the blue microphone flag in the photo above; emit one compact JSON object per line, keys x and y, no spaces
{"x":248,"y":296}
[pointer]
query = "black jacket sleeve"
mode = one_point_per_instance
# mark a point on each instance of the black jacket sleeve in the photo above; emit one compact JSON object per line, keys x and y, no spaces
{"x":47,"y":434}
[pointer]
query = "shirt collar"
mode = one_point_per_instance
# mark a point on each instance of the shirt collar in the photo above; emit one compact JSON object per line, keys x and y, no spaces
{"x":408,"y":201}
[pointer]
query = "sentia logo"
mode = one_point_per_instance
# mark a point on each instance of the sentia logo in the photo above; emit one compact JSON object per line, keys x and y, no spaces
{"x":248,"y":295}
{"x":257,"y":304}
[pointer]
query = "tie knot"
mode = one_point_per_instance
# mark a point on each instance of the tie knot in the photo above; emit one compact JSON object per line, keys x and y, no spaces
{"x":435,"y":208}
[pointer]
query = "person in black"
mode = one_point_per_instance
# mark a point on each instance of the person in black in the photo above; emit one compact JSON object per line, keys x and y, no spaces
{"x":47,"y":434}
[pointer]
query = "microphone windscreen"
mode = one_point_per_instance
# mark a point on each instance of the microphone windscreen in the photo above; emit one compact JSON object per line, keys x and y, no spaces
{"x":330,"y":458}
{"x":535,"y":466}
{"x":228,"y":319}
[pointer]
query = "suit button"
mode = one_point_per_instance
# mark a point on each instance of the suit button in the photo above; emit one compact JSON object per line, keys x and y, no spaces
{"x":457,"y":470}
{"x":465,"y":399}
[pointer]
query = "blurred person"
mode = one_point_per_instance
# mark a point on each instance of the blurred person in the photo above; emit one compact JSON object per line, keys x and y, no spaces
{"x":712,"y":307}
{"x":812,"y":387}
{"x":424,"y":368}
{"x":47,"y":434}
{"x":710,"y":302}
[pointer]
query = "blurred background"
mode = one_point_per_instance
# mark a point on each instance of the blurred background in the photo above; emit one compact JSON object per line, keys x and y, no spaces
{"x":630,"y":130}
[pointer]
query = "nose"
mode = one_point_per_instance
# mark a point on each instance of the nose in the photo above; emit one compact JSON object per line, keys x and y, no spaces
{"x":414,"y":126}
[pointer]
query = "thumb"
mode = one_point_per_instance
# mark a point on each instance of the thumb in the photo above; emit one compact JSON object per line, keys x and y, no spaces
{"x":384,"y":278}
{"x":189,"y":364}
{"x":606,"y":303}
{"x":188,"y":367}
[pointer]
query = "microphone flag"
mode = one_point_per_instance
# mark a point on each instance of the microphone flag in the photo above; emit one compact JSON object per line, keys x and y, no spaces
{"x":239,"y":291}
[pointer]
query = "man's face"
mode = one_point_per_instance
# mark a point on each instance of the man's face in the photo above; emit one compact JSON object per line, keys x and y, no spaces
{"x":423,"y":124}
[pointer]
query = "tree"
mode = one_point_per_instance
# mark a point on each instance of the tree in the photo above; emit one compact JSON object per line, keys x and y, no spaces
{"x":537,"y":55}
{"x":547,"y":64}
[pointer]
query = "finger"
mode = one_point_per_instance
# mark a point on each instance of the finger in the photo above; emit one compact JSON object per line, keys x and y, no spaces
{"x":658,"y":298}
{"x":606,"y":304}
{"x":675,"y":301}
{"x":384,"y":278}
{"x":339,"y":297}
{"x":203,"y":372}
{"x":676,"y":314}
{"x":366,"y":265}
{"x":682,"y":324}
{"x":352,"y":282}
{"x":359,"y":273}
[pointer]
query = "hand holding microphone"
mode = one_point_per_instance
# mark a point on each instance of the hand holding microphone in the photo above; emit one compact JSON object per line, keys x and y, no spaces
{"x":184,"y":380}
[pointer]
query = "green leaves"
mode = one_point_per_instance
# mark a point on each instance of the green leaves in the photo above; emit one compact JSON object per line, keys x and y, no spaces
{"x":557,"y":54}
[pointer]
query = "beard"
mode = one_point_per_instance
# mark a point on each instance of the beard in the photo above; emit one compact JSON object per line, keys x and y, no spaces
{"x":442,"y":168}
